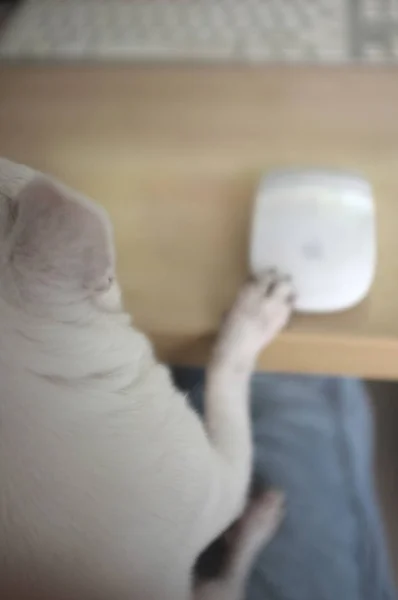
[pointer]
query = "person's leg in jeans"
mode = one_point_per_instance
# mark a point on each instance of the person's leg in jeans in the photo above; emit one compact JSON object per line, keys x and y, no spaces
{"x":313,"y":439}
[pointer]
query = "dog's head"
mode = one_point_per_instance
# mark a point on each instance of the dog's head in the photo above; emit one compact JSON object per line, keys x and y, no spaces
{"x":56,"y":249}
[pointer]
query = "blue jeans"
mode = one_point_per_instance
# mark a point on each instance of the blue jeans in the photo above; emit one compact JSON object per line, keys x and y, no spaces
{"x":314,"y":439}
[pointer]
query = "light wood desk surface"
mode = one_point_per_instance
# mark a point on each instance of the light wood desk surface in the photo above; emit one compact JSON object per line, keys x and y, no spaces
{"x":175,"y":153}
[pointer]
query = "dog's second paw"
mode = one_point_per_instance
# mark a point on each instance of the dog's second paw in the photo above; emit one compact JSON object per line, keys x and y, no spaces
{"x":262,"y":518}
{"x":261,"y":310}
{"x":256,"y":527}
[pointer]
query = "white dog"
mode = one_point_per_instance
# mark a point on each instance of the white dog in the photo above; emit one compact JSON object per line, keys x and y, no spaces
{"x":110,"y":485}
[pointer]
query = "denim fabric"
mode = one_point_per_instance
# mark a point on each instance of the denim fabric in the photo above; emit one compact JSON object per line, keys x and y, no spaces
{"x":313,"y":439}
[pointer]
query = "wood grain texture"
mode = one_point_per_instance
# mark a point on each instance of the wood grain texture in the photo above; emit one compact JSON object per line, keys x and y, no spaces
{"x":175,"y":153}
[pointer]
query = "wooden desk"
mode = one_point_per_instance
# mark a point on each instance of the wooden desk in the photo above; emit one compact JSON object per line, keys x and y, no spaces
{"x":175,"y":154}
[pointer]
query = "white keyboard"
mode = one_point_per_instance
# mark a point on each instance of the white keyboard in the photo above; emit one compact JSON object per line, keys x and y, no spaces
{"x":243,"y":30}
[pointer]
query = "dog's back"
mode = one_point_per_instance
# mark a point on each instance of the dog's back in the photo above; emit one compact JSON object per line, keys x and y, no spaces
{"x":103,"y":466}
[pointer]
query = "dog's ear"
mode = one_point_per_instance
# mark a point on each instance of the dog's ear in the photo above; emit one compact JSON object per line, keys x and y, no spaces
{"x":60,"y":240}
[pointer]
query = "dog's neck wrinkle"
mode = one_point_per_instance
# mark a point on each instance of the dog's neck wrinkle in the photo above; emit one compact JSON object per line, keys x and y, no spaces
{"x":103,"y":347}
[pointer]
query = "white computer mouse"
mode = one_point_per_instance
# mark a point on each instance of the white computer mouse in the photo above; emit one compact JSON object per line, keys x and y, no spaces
{"x":318,"y":226}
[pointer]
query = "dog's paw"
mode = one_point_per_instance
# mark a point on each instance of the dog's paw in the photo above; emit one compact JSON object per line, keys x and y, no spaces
{"x":261,"y":310}
{"x":266,"y":304}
